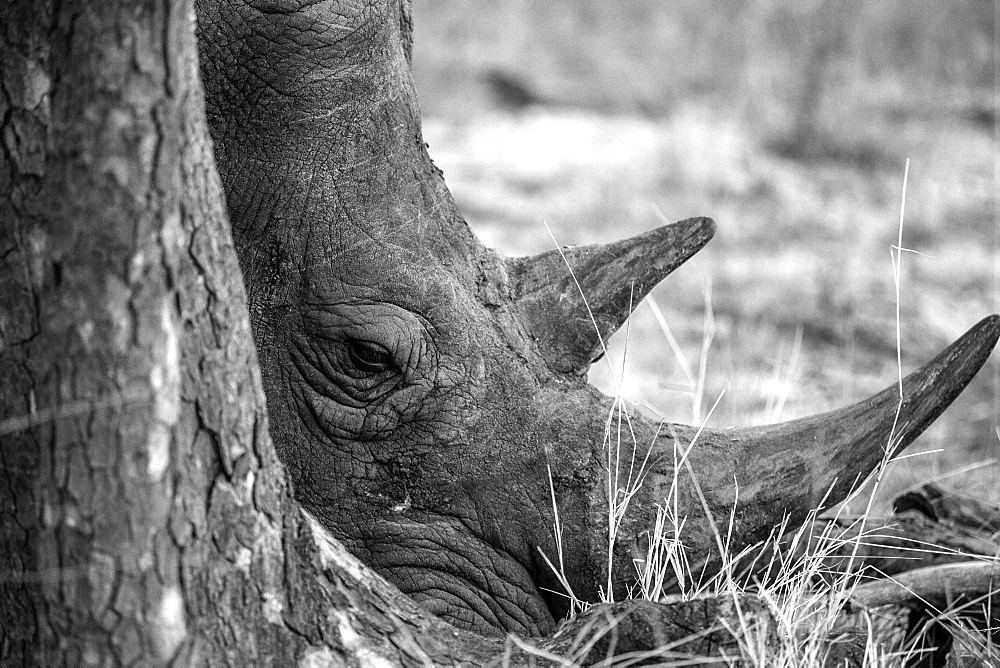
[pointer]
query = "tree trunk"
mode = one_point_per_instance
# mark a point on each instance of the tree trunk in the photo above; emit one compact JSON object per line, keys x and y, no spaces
{"x":144,"y":513}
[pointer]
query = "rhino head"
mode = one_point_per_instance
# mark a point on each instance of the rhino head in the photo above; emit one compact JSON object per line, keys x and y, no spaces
{"x":427,"y":395}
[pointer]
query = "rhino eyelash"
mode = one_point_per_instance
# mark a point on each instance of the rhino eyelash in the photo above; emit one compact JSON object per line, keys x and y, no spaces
{"x":369,"y":357}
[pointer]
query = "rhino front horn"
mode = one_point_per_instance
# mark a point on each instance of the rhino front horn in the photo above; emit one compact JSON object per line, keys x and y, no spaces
{"x":790,"y":468}
{"x":573,"y":299}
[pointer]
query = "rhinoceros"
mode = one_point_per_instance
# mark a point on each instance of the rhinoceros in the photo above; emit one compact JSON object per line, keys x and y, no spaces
{"x":427,"y":394}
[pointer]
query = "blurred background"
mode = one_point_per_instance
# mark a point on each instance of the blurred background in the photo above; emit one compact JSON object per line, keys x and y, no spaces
{"x":789,"y":122}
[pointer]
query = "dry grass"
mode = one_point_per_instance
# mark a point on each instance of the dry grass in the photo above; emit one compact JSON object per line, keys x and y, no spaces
{"x":805,"y":596}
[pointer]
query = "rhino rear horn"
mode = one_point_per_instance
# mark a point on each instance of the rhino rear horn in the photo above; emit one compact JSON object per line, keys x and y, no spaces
{"x":573,"y":299}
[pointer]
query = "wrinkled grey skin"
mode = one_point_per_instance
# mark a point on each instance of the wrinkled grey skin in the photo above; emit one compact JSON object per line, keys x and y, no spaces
{"x":346,"y":233}
{"x":420,"y":387}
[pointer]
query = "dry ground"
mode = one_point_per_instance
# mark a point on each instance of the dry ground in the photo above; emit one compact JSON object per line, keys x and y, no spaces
{"x":788,"y":122}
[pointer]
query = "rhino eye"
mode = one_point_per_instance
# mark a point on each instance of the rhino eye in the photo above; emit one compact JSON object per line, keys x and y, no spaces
{"x":369,"y":357}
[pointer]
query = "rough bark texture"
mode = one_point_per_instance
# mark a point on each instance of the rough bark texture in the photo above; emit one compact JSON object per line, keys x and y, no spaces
{"x":93,"y":133}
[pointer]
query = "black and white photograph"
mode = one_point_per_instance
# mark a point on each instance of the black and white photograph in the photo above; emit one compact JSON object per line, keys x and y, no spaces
{"x":514,"y":333}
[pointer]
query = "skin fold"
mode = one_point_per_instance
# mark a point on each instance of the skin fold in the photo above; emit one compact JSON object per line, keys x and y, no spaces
{"x":425,"y":392}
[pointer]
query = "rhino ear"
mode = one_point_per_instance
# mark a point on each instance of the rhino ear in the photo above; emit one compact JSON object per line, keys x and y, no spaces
{"x":573,"y":299}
